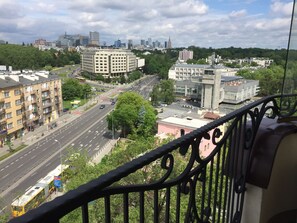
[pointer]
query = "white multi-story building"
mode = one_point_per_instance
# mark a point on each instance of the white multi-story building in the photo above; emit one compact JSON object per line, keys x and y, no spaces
{"x":210,"y":85}
{"x":109,"y":62}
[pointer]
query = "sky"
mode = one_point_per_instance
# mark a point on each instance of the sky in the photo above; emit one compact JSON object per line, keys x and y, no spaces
{"x":202,"y":23}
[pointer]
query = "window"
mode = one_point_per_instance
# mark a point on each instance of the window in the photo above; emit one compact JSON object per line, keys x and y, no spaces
{"x":19,"y":112}
{"x":6,"y":94}
{"x":7,"y":105}
{"x":10,"y":125}
{"x":18,"y":102}
{"x":9,"y":115}
{"x":17,"y":92}
{"x":19,"y":122}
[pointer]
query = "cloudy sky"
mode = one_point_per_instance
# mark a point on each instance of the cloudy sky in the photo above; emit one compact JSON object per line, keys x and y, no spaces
{"x":203,"y":23}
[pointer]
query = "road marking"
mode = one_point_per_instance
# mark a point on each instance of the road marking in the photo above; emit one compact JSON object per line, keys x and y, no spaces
{"x":48,"y":164}
{"x":90,"y":145}
{"x":2,"y":169}
{"x":33,"y":157}
{"x":4,"y":176}
{"x":11,"y":163}
{"x":91,"y":140}
{"x":32,"y":174}
{"x":20,"y":165}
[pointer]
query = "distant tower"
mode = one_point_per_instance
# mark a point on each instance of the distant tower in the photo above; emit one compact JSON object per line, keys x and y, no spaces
{"x":169,"y":46}
{"x":150,"y":41}
{"x":165,"y":44}
{"x":94,"y":38}
{"x":130,"y":44}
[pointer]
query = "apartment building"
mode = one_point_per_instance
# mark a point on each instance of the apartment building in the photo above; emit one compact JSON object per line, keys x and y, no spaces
{"x":28,"y":100}
{"x":11,"y":120}
{"x":109,"y":62}
{"x":185,"y":55}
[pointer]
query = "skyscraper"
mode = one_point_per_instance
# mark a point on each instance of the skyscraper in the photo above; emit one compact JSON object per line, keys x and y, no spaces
{"x":169,"y":46}
{"x":94,"y":38}
{"x":150,"y":41}
{"x":117,"y":43}
{"x":130,"y":44}
{"x":165,"y":44}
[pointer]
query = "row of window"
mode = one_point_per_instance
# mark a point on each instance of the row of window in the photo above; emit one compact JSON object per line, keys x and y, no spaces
{"x":6,"y":94}
{"x":8,"y":104}
{"x":9,"y":114}
{"x":10,"y":125}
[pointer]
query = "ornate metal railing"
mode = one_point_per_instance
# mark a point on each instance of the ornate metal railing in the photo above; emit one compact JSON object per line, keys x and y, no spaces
{"x":198,"y":189}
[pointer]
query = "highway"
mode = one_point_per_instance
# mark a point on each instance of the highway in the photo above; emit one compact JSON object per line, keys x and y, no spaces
{"x":87,"y":133}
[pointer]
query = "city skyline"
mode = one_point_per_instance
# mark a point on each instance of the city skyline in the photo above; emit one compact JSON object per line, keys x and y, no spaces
{"x":208,"y":23}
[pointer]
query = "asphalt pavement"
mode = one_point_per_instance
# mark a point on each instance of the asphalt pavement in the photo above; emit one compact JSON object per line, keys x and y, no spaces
{"x":31,"y":137}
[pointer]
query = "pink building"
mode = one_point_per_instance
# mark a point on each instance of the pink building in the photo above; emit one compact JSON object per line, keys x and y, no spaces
{"x":175,"y":126}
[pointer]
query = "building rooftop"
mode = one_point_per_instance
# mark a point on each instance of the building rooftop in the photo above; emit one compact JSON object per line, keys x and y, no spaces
{"x":8,"y":82}
{"x":186,"y":122}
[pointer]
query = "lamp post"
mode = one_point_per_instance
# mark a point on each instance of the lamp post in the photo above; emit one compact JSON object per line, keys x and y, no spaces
{"x":112,"y":127}
{"x":60,"y":155}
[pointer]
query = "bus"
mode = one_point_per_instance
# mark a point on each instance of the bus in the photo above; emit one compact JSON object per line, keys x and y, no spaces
{"x":37,"y":194}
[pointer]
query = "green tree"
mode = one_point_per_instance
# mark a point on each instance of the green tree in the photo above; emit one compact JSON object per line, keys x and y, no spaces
{"x":9,"y":143}
{"x":135,"y":75}
{"x":163,"y":92}
{"x":122,"y":79}
{"x":86,"y":90}
{"x":155,"y":95}
{"x":72,"y":89}
{"x":167,"y":91}
{"x":133,"y":115}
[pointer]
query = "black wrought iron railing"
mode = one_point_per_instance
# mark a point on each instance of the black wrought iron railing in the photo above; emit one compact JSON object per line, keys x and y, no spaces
{"x":199,"y":189}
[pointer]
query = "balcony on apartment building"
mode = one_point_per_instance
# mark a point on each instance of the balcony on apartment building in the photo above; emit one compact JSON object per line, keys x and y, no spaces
{"x":2,"y":111}
{"x":47,"y":104}
{"x":250,"y":175}
{"x":45,"y":96}
{"x":3,"y":132}
{"x":47,"y":111}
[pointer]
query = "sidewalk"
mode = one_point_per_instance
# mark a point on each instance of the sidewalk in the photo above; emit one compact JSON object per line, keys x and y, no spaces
{"x":40,"y":132}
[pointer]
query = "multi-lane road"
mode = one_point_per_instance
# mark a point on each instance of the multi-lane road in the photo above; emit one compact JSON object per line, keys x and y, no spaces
{"x":88,"y":133}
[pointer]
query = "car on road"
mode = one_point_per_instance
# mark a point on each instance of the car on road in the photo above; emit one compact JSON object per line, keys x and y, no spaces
{"x":102,"y":106}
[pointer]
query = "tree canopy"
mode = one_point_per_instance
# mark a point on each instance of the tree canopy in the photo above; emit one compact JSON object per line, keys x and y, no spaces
{"x":163,"y":92}
{"x":270,"y":79}
{"x":29,"y":57}
{"x":73,"y":89}
{"x":133,"y":115}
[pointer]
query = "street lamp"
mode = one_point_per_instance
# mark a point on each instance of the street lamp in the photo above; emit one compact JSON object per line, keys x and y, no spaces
{"x":60,"y":155}
{"x":112,"y":127}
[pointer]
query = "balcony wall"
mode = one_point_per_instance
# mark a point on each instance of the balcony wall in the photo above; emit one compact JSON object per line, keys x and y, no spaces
{"x":273,"y":175}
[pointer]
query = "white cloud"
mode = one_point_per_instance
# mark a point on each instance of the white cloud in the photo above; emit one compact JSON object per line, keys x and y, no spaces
{"x":187,"y":22}
{"x":236,"y":14}
{"x":282,"y":8}
{"x":185,"y":8}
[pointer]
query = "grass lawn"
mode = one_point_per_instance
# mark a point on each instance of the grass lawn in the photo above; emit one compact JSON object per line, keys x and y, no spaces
{"x":67,"y":104}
